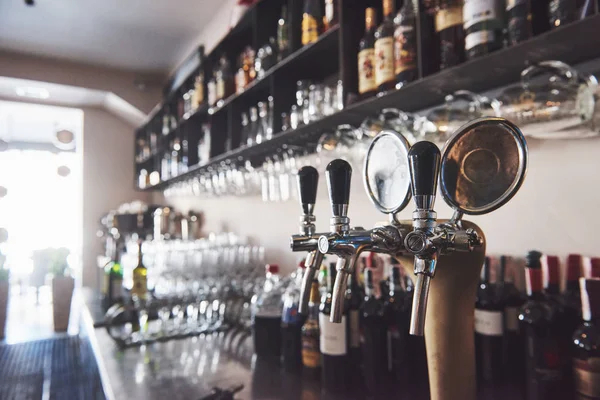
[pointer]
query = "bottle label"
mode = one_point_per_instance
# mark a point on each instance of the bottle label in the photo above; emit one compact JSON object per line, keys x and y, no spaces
{"x":366,"y":71}
{"x":384,"y":60}
{"x":448,"y":17}
{"x":587,"y":377}
{"x":140,"y":286}
{"x":405,"y":48}
{"x":310,"y":29}
{"x":116,"y":288}
{"x":290,"y":315}
{"x":488,"y":323}
{"x":477,"y":38}
{"x":510,"y":4}
{"x":475,"y":11}
{"x":511,"y":319}
{"x":333,"y":336}
{"x":354,"y":329}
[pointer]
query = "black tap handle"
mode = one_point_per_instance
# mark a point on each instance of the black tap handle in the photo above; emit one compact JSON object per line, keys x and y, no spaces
{"x":339,"y":174}
{"x":308,"y":180}
{"x":424,"y":163}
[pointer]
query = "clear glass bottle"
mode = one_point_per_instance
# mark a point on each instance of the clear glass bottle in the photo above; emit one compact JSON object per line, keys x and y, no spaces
{"x":262,"y":122}
{"x":253,"y":129}
{"x":267,"y":309}
{"x":245,"y":134}
{"x":269,"y":127}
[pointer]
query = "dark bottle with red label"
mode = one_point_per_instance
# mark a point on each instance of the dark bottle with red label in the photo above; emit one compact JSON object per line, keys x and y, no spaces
{"x":489,"y":330}
{"x":396,"y":311}
{"x":586,"y":342}
{"x":373,"y":338}
{"x":538,"y":322}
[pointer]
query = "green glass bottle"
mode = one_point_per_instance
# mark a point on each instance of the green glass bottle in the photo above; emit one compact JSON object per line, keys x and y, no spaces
{"x":114,"y":279}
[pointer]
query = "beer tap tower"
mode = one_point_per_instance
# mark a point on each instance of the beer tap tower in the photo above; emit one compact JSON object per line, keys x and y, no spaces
{"x":480,"y":169}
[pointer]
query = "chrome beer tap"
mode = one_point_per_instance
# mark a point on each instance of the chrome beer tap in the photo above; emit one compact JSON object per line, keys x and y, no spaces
{"x":482,"y":167}
{"x":348,"y":243}
{"x":308,"y":180}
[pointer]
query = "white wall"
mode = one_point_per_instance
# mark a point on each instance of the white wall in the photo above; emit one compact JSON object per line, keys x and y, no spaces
{"x":555,"y":211}
{"x":108,"y":179}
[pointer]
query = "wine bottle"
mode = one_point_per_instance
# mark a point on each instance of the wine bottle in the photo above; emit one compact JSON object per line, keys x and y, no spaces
{"x":114,"y":278}
{"x":593,"y":268}
{"x":396,"y":311}
{"x":514,"y":346}
{"x":586,"y":342}
{"x":429,"y":46}
{"x":405,"y":43}
{"x":539,"y":325}
{"x":283,"y":34}
{"x":312,"y":20}
{"x":540,"y":17}
{"x":373,"y":339}
{"x":551,"y":277}
{"x":483,"y":24}
{"x":451,"y":35}
{"x":311,"y":355}
{"x":384,"y":50}
{"x":354,"y":300}
{"x":140,"y":277}
{"x":489,"y":329}
{"x":571,"y":300}
{"x":518,"y":15}
{"x":333,"y":343}
{"x":562,"y":12}
{"x":366,"y":57}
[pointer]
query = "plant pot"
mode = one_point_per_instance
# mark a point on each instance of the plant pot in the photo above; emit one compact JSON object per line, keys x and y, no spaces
{"x":3,"y":306}
{"x":62,"y":293}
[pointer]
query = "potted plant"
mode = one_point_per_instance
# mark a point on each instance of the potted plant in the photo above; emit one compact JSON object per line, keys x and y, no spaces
{"x":63,"y":285}
{"x":4,"y":275}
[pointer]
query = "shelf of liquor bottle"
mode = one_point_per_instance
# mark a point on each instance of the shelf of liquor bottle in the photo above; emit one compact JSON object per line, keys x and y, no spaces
{"x":324,"y":48}
{"x":478,"y":75}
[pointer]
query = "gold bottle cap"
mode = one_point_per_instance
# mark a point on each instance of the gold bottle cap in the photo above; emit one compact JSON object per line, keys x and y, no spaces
{"x":370,"y":17}
{"x":388,"y":7}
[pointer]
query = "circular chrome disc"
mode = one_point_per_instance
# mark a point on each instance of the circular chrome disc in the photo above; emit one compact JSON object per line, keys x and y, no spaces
{"x":483,"y":165}
{"x":386,"y":174}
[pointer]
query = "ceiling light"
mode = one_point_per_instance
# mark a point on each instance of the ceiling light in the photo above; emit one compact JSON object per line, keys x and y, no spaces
{"x":33,"y":92}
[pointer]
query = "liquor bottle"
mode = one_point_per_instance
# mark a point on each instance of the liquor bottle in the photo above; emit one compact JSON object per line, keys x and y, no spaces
{"x":331,"y":14}
{"x":518,"y":15}
{"x":245,"y":134}
{"x":405,"y":43}
{"x":489,"y":329}
{"x":551,"y":277}
{"x":586,"y":342}
{"x":198,"y":94}
{"x":333,"y":343}
{"x":483,"y":23}
{"x":175,"y":150}
{"x":311,"y":21}
{"x":262,"y":122}
{"x":253,"y":127}
{"x":373,"y":337}
{"x":114,"y":278}
{"x":429,"y":56}
{"x":396,"y":311}
{"x":571,"y":297}
{"x":266,"y":316}
{"x":311,"y":355}
{"x":366,"y":57}
{"x":211,"y":87}
{"x":513,"y":300}
{"x":291,"y":323}
{"x":593,"y":268}
{"x":385,"y":78}
{"x":354,"y":300}
{"x":538,"y":322}
{"x":283,"y":34}
{"x":562,"y":12}
{"x":451,"y":34}
{"x":140,"y":277}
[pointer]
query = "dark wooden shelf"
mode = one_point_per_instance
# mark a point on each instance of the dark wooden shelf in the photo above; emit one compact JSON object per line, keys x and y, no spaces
{"x":573,"y":43}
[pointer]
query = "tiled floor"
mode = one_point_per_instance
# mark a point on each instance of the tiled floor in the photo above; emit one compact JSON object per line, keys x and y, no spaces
{"x":29,"y":320}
